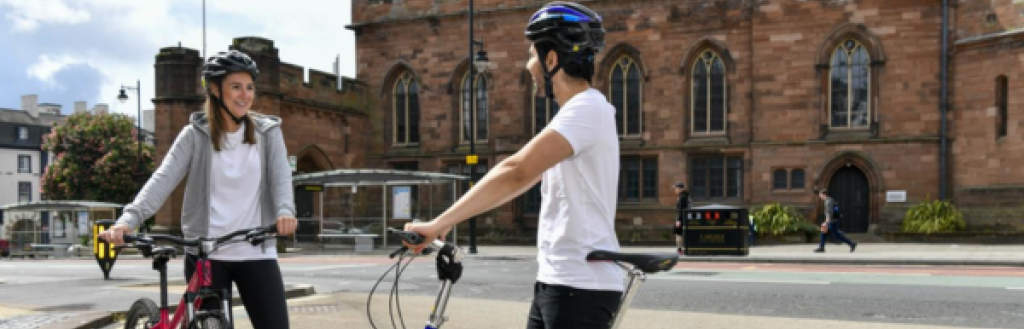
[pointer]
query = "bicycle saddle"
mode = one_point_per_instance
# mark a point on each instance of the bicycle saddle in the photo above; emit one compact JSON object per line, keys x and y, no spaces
{"x":649,"y":263}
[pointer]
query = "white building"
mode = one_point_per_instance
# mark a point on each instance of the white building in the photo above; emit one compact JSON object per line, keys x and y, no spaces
{"x":21,"y":158}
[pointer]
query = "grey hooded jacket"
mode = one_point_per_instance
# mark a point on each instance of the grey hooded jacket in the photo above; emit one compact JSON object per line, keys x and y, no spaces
{"x":192,"y":154}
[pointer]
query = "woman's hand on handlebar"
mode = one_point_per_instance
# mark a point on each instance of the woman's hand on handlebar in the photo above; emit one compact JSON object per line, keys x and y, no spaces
{"x":115,"y":234}
{"x":286,"y":225}
{"x":430,"y":231}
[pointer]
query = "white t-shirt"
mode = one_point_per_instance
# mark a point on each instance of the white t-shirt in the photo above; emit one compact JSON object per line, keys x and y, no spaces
{"x":578,"y":198}
{"x":234,"y":197}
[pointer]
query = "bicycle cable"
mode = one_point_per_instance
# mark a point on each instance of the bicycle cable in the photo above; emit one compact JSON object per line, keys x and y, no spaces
{"x":394,"y":290}
{"x":391,"y":294}
{"x":398,"y":274}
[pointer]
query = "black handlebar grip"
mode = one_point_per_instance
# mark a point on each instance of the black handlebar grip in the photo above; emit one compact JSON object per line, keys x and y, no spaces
{"x":130,"y":238}
{"x":407,"y":236}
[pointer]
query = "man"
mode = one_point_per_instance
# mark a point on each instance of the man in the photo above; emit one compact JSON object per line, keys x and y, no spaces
{"x":577,"y":159}
{"x":682,"y":204}
{"x":830,"y":226}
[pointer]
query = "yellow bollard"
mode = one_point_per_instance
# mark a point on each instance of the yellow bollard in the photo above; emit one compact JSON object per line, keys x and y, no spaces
{"x":104,"y":251}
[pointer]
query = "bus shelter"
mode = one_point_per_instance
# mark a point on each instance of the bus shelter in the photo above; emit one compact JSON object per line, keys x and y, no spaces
{"x":70,"y":223}
{"x":395,"y":186}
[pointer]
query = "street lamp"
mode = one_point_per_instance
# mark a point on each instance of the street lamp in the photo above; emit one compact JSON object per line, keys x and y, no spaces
{"x":480,"y":63}
{"x":123,"y":97}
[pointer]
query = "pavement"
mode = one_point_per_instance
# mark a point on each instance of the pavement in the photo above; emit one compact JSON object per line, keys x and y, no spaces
{"x":348,"y":310}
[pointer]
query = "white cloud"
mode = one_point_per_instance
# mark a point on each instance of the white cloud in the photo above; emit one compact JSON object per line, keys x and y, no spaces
{"x":120,"y":38}
{"x":312,"y":36}
{"x":27,"y":16}
{"x":47,"y":66}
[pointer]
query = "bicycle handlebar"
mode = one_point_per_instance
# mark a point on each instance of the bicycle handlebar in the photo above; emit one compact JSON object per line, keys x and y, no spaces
{"x":414,"y":238}
{"x":251,"y":234}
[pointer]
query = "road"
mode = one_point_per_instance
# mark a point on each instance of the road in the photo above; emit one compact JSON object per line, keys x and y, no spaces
{"x":34,"y":291}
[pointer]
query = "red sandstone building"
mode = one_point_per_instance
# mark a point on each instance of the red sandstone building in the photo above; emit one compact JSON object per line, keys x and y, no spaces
{"x":746,"y":101}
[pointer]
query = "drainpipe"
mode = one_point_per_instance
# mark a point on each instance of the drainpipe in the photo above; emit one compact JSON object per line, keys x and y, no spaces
{"x":944,"y":102}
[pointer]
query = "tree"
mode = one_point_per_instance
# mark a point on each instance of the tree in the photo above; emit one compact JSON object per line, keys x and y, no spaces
{"x":95,"y":157}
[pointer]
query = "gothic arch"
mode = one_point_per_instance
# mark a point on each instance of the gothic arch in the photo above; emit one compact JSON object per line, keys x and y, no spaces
{"x":612,"y":55}
{"x":698,"y":47}
{"x":312,"y":157}
{"x":859,"y":32}
{"x":871,"y":170}
{"x":396,"y":71}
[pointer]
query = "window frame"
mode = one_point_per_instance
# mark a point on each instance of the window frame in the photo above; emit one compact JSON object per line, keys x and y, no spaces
{"x":788,"y":179}
{"x":481,"y":78}
{"x":408,"y":80}
{"x":642,"y":180}
{"x":858,"y":46}
{"x":27,"y":169}
{"x":1002,"y":106}
{"x":626,"y":64}
{"x":22,"y":133}
{"x":27,"y":193}
{"x":727,"y":170}
{"x":709,"y":63}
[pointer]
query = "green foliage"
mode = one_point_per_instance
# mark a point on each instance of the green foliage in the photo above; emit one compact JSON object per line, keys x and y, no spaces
{"x":95,"y":157}
{"x":775,"y":219}
{"x":932,"y":217}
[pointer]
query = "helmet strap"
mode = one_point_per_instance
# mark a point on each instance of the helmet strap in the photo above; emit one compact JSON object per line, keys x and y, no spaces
{"x":220,"y":103}
{"x":549,"y":90}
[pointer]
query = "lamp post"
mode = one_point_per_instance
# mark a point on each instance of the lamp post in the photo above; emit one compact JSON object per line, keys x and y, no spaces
{"x":123,"y":97}
{"x":480,"y":64}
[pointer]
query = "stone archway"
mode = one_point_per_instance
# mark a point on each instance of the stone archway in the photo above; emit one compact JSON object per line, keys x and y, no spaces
{"x":307,"y":203}
{"x":858,"y":177}
{"x":849,"y":188}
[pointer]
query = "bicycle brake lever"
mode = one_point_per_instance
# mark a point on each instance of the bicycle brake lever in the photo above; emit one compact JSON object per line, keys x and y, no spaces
{"x":397,"y":252}
{"x":145,"y":250}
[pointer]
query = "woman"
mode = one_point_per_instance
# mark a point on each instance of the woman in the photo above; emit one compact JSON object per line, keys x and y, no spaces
{"x":238,"y":177}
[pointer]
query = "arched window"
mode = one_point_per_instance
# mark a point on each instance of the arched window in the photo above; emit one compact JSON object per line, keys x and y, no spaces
{"x":626,"y":88}
{"x":1002,"y":104}
{"x":849,"y":86}
{"x":708,"y":90}
{"x":474,"y":117}
{"x":406,"y":110}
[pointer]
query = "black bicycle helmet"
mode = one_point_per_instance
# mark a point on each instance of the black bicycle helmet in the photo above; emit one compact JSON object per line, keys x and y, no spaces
{"x":223,"y":63}
{"x":570,"y":29}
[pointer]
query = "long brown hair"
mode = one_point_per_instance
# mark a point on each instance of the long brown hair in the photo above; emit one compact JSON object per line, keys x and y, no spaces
{"x":217,"y":123}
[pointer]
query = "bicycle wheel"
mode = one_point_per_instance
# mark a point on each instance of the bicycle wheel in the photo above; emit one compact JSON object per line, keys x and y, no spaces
{"x":209,"y":320}
{"x":142,"y":315}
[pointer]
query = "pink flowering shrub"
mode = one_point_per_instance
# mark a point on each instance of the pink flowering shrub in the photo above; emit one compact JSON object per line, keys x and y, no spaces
{"x":95,"y":157}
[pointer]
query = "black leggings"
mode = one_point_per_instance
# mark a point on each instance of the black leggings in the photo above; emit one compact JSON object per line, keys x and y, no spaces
{"x":259,"y":285}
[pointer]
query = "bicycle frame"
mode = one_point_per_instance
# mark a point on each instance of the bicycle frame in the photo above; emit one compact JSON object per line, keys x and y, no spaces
{"x":452,"y":266}
{"x":437,"y":317}
{"x":455,"y":255}
{"x":636,"y":278}
{"x":447,"y":254}
{"x":199,"y":285}
{"x":193,"y":297}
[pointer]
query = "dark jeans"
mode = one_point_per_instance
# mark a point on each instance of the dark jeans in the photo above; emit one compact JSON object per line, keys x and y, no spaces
{"x":833,"y":230}
{"x":259,"y":284}
{"x":562,"y":307}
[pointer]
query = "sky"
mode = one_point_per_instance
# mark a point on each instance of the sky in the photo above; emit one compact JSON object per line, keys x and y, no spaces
{"x":85,"y":50}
